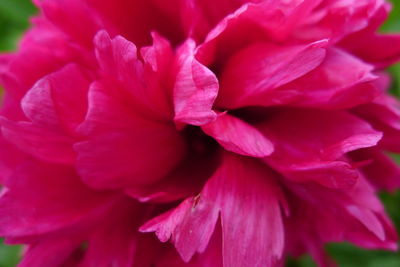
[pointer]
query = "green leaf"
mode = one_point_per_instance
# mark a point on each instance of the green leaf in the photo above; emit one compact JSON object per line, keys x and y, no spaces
{"x":9,"y":255}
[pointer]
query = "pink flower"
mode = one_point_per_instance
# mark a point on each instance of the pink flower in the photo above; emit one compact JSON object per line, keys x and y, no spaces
{"x":197,"y":133}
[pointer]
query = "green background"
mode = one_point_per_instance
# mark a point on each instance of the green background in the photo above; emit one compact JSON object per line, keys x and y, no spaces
{"x":14,"y":16}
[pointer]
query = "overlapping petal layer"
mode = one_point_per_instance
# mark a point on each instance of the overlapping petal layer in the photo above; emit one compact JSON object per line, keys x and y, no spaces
{"x":240,"y":132}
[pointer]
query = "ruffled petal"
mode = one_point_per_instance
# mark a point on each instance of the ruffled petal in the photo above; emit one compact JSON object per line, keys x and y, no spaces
{"x":384,"y":115}
{"x":121,"y":69}
{"x":315,"y":151}
{"x":330,"y":86}
{"x":355,"y":216}
{"x":196,"y":88}
{"x":381,"y":50}
{"x":254,"y":21}
{"x":239,"y":184}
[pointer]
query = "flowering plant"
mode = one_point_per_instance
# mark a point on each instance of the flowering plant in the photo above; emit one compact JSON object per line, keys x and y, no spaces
{"x":198,"y":133}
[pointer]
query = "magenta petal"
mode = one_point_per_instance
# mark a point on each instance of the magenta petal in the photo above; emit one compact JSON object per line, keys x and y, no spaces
{"x":121,"y":148}
{"x":340,"y":215}
{"x":46,"y":144}
{"x":384,"y":115}
{"x":196,"y":88}
{"x":239,"y":184}
{"x":378,"y":49}
{"x":387,"y":45}
{"x":55,"y":105}
{"x":147,"y":88}
{"x":115,"y":239}
{"x":48,"y":50}
{"x":254,"y":72}
{"x":177,"y":186}
{"x":321,"y":138}
{"x":74,"y":18}
{"x":237,"y":136}
{"x":40,"y":198}
{"x":253,"y":22}
{"x":377,"y":164}
{"x":10,"y":157}
{"x":210,"y":257}
{"x":59,"y":100}
{"x":49,"y":253}
{"x":330,"y":86}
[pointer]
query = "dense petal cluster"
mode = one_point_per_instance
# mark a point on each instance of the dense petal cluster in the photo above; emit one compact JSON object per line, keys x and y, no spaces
{"x":197,"y":133}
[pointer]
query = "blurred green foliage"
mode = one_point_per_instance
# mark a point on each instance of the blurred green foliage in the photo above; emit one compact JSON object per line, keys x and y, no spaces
{"x":13,"y":21}
{"x":9,"y":255}
{"x":14,"y":16}
{"x":393,"y":25}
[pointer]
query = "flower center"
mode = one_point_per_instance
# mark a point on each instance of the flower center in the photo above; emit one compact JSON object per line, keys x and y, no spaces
{"x":198,"y":142}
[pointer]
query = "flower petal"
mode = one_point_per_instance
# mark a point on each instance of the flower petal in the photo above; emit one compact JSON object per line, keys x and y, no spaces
{"x":322,"y":138}
{"x":120,"y":147}
{"x":381,"y":50}
{"x":40,"y":198}
{"x":251,"y":76}
{"x":355,"y":215}
{"x":239,"y":184}
{"x":237,"y":136}
{"x":196,"y":88}
{"x":55,"y":105}
{"x":330,"y":86}
{"x":59,"y":100}
{"x":379,"y":169}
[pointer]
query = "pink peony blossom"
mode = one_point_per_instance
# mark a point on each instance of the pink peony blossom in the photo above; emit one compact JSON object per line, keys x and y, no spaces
{"x":198,"y":133}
